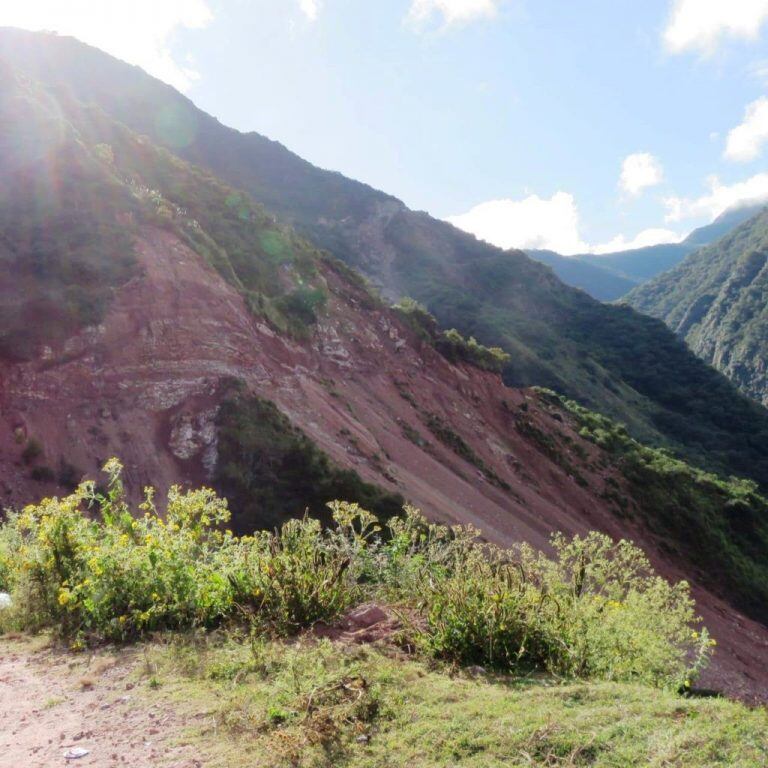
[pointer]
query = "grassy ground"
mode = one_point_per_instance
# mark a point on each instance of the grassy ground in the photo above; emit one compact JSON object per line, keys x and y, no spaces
{"x":323,"y":704}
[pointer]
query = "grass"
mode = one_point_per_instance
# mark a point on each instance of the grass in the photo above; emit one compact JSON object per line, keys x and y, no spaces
{"x":319,"y":704}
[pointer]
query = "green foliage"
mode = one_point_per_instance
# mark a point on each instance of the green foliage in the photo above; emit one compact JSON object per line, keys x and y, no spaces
{"x":270,"y":470}
{"x":721,"y":524}
{"x":595,"y":610}
{"x":117,"y":576}
{"x":306,"y":574}
{"x":609,"y":357}
{"x":87,"y":567}
{"x":62,"y":249}
{"x":451,"y":344}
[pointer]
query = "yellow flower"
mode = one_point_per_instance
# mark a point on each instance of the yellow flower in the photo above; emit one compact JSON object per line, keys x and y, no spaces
{"x":695,"y":635}
{"x":64,"y":597}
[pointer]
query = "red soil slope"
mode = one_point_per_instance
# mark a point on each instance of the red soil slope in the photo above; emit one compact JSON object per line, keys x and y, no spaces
{"x":145,"y":385}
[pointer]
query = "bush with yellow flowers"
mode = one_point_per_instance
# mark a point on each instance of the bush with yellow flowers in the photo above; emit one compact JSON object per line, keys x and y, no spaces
{"x":93,"y":570}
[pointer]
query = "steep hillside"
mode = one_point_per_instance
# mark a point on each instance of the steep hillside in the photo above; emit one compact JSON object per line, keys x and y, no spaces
{"x":611,"y":359}
{"x":608,"y":276}
{"x":717,"y":301}
{"x":168,"y":319}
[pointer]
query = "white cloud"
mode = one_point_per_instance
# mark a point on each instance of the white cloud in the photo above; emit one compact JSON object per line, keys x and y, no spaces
{"x":552,"y":224}
{"x":720,"y":198}
{"x":652,"y":236}
{"x":533,"y":222}
{"x":701,"y":24}
{"x":310,"y":8}
{"x":422,"y":12}
{"x":640,"y":171}
{"x":139,"y":32}
{"x":746,"y":140}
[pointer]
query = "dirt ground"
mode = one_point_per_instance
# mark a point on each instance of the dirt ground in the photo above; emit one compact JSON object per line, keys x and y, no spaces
{"x":51,"y":703}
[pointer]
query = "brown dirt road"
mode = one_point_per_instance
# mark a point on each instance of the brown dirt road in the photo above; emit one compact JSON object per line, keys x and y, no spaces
{"x":51,"y":702}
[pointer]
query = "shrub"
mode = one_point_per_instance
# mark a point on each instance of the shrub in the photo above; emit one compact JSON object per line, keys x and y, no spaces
{"x":595,"y":610}
{"x":450,"y":344}
{"x":117,"y":576}
{"x":304,"y":574}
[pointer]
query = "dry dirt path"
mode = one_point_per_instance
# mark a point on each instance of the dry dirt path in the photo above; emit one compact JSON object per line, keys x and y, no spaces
{"x":50,"y":703}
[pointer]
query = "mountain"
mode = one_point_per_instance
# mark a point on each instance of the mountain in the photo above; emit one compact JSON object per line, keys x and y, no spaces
{"x":153,"y":311}
{"x":716,"y":300}
{"x":599,"y":282}
{"x":609,"y":358}
{"x":608,"y":276}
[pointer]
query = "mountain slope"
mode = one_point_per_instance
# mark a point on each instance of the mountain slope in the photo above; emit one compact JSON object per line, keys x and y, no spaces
{"x":717,"y":301}
{"x":226,"y":350}
{"x":608,"y":276}
{"x":230,"y":351}
{"x":611,"y":359}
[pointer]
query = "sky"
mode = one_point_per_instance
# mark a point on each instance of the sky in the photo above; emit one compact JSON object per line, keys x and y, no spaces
{"x":575,"y":125}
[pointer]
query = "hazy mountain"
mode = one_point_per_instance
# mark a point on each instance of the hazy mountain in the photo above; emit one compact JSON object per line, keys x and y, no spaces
{"x":717,"y":300}
{"x":609,"y":276}
{"x":599,"y":282}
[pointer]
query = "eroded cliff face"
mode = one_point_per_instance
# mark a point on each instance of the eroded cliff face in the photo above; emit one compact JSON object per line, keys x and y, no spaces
{"x":145,"y":385}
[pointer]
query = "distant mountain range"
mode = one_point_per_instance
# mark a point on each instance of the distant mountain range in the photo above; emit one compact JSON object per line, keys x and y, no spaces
{"x":717,"y":300}
{"x":609,"y":276}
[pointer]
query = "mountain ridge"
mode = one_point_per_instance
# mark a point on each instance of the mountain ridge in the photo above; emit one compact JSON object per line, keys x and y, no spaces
{"x":715,"y":300}
{"x":610,"y":359}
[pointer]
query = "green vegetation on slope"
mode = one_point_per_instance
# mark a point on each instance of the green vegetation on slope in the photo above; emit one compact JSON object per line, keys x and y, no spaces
{"x":717,"y":300}
{"x":270,"y":470}
{"x":612,"y":359}
{"x":62,"y":252}
{"x":599,"y":281}
{"x":570,"y":645}
{"x":75,"y":188}
{"x":720,"y":527}
{"x":451,"y":344}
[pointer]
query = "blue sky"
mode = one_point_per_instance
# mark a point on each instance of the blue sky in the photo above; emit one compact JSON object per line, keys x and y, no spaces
{"x":552,"y":123}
